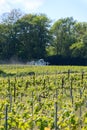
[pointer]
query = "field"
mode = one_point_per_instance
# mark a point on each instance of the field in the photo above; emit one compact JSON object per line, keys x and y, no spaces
{"x":43,"y":97}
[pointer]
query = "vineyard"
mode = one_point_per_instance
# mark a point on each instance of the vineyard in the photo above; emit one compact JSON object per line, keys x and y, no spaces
{"x":43,"y":98}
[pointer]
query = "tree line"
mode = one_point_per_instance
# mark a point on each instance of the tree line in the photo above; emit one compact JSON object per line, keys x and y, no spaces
{"x":26,"y":37}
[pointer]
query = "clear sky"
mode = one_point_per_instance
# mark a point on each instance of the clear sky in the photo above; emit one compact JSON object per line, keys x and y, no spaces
{"x":55,"y":9}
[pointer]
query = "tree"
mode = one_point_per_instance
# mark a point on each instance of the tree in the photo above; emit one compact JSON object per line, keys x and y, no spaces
{"x":33,"y":34}
{"x":64,"y":36}
{"x":11,"y":17}
{"x":26,"y":37}
{"x":8,"y":33}
{"x":79,"y":48}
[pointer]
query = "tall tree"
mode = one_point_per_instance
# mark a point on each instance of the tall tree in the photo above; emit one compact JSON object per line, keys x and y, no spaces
{"x":8,"y":33}
{"x":63,"y":32}
{"x":33,"y":34}
{"x":79,"y":48}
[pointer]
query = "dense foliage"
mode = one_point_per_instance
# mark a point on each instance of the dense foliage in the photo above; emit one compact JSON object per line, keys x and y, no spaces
{"x":55,"y":97}
{"x":24,"y":37}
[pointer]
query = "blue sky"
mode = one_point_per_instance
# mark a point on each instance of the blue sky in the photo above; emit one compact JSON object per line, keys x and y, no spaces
{"x":55,"y":9}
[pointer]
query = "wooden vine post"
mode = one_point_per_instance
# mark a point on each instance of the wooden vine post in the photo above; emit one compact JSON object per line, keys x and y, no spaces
{"x":55,"y":123}
{"x":32,"y":109}
{"x":62,"y":84}
{"x":10,"y":94}
{"x":80,"y":108}
{"x":14,"y":92}
{"x":6,"y":117}
{"x":56,"y":110}
{"x":68,"y":74}
{"x":71,"y":91}
{"x":82,"y":76}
